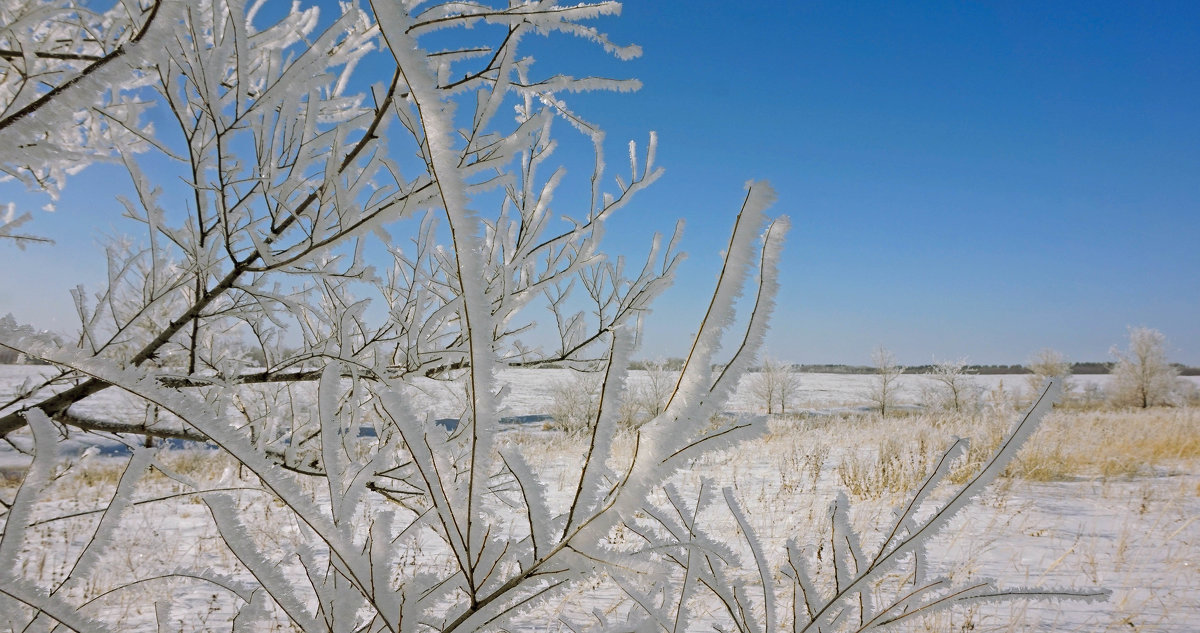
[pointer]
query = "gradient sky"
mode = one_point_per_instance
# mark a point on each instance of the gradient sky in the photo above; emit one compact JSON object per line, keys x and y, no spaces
{"x":964,"y":179}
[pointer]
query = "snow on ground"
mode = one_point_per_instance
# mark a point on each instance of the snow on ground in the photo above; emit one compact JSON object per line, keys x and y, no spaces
{"x":1138,"y":536}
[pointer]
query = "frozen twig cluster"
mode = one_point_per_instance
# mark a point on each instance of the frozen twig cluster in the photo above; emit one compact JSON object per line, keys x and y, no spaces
{"x":281,"y":183}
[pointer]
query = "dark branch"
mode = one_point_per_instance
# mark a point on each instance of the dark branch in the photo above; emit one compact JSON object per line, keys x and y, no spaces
{"x":10,"y":54}
{"x":90,"y":70}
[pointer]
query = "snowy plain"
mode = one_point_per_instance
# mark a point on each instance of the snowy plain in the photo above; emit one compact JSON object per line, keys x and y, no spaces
{"x":1138,"y":536}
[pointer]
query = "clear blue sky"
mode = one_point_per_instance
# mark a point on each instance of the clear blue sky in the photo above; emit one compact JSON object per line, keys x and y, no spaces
{"x":964,"y":179}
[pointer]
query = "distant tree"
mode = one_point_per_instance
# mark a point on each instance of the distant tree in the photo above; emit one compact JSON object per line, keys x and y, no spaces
{"x":1091,"y":395}
{"x":577,"y":400}
{"x":1142,"y":377}
{"x":1046,"y":364}
{"x":775,"y":384}
{"x":886,"y":385}
{"x":652,"y":396}
{"x":954,"y":390}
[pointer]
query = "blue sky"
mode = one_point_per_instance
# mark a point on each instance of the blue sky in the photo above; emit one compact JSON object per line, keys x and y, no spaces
{"x":964,"y":179}
{"x":974,"y":179}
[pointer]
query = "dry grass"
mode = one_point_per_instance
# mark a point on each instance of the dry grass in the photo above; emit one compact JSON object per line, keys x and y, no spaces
{"x":890,"y":456}
{"x":1082,"y":444}
{"x":10,"y":477}
{"x":1088,"y":490}
{"x":898,"y":466}
{"x":877,"y":460}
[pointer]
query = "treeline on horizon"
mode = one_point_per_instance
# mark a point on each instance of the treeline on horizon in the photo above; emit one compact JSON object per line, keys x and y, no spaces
{"x":1077,"y":369}
{"x":10,"y":325}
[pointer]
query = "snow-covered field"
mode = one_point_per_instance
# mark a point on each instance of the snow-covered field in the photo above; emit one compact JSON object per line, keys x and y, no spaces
{"x":532,"y":391}
{"x":1137,"y":535}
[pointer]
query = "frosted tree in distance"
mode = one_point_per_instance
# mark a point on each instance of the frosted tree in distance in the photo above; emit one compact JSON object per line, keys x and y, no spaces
{"x":264,"y":212}
{"x":1048,"y":364}
{"x":1142,"y":377}
{"x":885,"y":386}
{"x":775,"y":384}
{"x":954,"y":389}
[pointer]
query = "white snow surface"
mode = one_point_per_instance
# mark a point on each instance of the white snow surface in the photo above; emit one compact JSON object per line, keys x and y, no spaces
{"x":1137,"y":536}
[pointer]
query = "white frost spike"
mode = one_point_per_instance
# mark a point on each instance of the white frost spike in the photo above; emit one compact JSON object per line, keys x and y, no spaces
{"x":533,"y":495}
{"x":633,"y":161}
{"x":122,"y":499}
{"x":234,"y":534}
{"x":36,"y":478}
{"x":760,"y":558}
{"x":332,"y":438}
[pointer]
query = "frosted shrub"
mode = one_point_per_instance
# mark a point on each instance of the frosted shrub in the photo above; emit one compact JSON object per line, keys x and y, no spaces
{"x":301,"y":177}
{"x":1045,"y":365}
{"x":775,"y":385}
{"x":953,"y":389}
{"x":576,"y":401}
{"x":1142,"y":377}
{"x":897,"y":468}
{"x":885,"y":389}
{"x":650,"y":396}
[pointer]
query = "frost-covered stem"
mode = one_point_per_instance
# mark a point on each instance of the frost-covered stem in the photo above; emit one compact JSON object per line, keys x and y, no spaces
{"x":881,"y":619}
{"x":436,"y":120}
{"x":760,"y":559}
{"x":599,"y":440}
{"x":689,"y":548}
{"x":729,"y":285}
{"x":80,"y":57}
{"x":764,"y":300}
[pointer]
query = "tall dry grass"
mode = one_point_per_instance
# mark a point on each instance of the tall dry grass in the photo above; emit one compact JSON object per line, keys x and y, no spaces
{"x":1081,"y":444}
{"x":891,"y":455}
